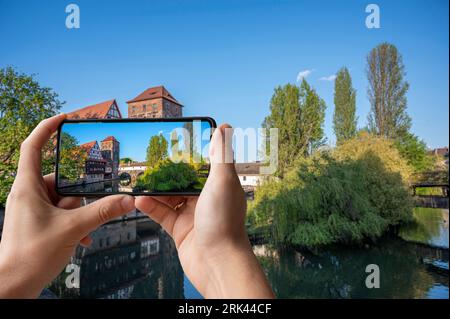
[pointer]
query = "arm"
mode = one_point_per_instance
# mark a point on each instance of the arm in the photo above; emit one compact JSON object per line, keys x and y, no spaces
{"x":41,"y":230}
{"x":209,"y":231}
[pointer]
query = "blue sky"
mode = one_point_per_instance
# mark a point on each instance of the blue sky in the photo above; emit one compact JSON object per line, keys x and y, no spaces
{"x":224,"y":58}
{"x":134,"y":136}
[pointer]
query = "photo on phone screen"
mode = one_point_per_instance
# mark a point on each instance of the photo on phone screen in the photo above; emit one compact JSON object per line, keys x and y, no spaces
{"x":139,"y":156}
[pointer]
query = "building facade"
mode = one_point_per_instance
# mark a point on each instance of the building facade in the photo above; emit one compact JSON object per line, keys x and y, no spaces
{"x":110,"y":148}
{"x":155,"y":102}
{"x":94,"y":164}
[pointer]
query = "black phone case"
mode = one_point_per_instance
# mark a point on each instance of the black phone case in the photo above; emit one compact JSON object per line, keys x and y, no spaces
{"x":102,"y":194}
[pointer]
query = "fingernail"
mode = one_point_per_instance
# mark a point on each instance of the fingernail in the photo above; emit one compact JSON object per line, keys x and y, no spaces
{"x":223,"y":127}
{"x":128,"y":203}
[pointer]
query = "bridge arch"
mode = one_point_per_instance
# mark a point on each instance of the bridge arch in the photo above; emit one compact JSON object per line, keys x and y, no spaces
{"x":125,"y":179}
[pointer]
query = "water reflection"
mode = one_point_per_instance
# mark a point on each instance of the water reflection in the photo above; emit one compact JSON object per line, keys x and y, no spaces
{"x":108,"y":186}
{"x":430,"y":227}
{"x":340,"y":272}
{"x":136,"y":259}
{"x":121,"y":185}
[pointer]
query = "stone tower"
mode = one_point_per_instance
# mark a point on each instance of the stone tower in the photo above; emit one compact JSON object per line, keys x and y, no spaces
{"x":111,"y":154}
{"x":155,"y":102}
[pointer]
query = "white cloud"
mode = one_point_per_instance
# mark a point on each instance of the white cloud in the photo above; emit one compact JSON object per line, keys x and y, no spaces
{"x":303,"y":74}
{"x":329,"y":78}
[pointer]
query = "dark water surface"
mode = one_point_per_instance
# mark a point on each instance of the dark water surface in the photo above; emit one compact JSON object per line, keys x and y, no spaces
{"x":147,"y":266}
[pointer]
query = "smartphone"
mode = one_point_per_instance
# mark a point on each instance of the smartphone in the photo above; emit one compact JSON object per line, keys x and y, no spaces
{"x":133,"y":156}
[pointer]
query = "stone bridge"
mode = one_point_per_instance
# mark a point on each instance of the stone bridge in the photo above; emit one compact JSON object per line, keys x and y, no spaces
{"x":131,"y":172}
{"x":435,"y":180}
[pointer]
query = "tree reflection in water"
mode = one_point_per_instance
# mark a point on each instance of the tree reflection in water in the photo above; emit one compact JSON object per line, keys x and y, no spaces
{"x":430,"y":226}
{"x":340,"y":272}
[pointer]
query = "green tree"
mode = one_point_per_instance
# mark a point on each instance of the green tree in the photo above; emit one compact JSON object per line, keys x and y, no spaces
{"x":312,"y":116}
{"x":126,"y":160}
{"x":23,"y":104}
{"x":157,"y":149}
{"x":285,"y":116}
{"x":415,"y":152}
{"x":71,"y":158}
{"x":168,"y":176}
{"x":344,"y":118}
{"x":387,"y":92}
{"x":298,"y":114}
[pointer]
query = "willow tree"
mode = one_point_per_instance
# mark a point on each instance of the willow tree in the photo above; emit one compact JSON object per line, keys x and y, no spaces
{"x":344,"y":118}
{"x":387,"y":92}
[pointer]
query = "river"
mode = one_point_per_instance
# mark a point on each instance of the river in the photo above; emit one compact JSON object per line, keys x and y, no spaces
{"x":412,"y":266}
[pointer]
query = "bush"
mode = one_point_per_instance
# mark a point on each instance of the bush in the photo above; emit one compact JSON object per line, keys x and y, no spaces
{"x":168,"y":176}
{"x":345,"y":196}
{"x":385,"y":149}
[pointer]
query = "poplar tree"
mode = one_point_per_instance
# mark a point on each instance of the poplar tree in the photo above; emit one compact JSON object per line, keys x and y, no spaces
{"x":387,"y":92}
{"x":344,"y":118}
{"x":298,"y":113}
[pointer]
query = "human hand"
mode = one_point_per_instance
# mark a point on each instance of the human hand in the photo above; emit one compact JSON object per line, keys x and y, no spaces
{"x":209,"y":230}
{"x":41,"y":230}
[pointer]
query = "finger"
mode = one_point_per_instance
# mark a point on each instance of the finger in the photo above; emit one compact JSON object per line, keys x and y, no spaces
{"x":30,"y":150}
{"x":170,"y":201}
{"x":221,"y":149}
{"x":49,"y":181}
{"x":86,"y":241}
{"x":69,"y":202}
{"x":90,"y":217}
{"x":64,"y":202}
{"x":158,"y":212}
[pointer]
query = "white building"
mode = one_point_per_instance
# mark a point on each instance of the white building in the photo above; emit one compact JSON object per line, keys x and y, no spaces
{"x":249,"y":174}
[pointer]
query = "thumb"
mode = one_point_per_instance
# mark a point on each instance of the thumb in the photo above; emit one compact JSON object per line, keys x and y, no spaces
{"x":92,"y":216}
{"x":221,"y":149}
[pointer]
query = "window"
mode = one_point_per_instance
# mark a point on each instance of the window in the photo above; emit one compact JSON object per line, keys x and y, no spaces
{"x":100,"y":243}
{"x":244,"y":178}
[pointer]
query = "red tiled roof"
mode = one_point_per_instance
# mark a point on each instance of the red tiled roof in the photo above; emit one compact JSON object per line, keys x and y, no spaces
{"x":110,"y":138}
{"x":87,"y":146}
{"x":99,"y":110}
{"x":156,"y":92}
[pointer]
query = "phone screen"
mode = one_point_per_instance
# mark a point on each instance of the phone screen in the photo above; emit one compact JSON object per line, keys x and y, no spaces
{"x":139,"y":156}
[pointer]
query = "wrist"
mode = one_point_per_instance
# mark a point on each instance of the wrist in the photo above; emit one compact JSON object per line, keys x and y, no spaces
{"x":236,"y":273}
{"x":15,"y":281}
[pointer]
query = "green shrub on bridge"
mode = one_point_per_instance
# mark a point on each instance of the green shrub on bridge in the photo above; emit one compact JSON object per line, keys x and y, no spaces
{"x":347,"y":195}
{"x":168,"y":176}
